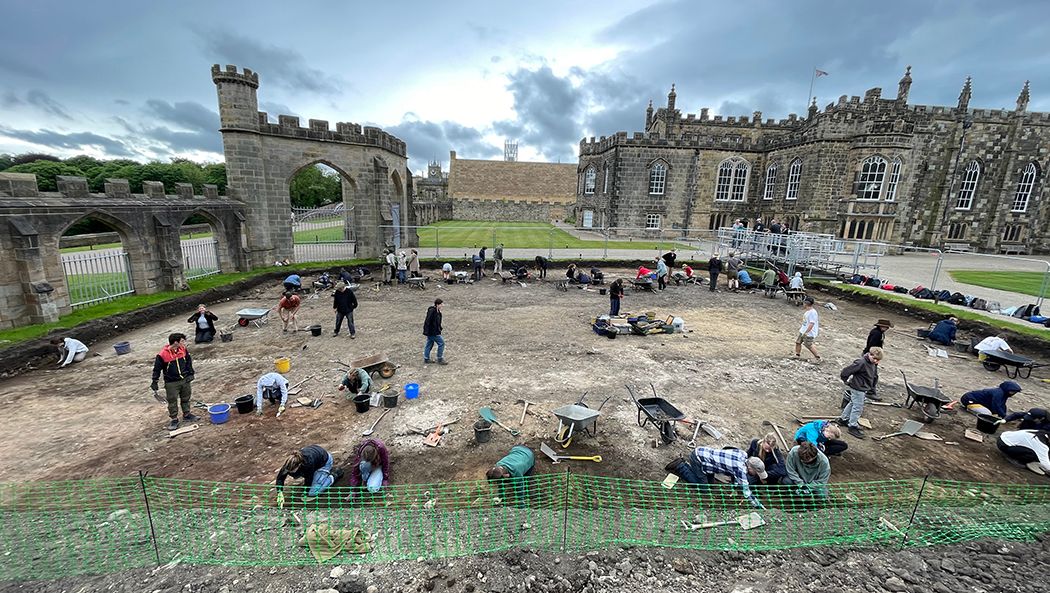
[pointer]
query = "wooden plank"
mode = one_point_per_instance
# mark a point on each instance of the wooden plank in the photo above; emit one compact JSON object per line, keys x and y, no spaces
{"x":174,"y":433}
{"x":974,"y":435}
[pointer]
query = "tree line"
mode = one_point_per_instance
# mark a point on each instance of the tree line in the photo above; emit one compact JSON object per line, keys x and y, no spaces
{"x":310,"y":188}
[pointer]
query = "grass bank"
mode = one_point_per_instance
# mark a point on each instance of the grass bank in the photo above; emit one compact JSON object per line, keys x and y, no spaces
{"x":1023,"y":282}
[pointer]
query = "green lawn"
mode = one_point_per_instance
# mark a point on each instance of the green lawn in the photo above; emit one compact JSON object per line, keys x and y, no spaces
{"x":184,"y":237}
{"x":86,"y":287}
{"x":1023,"y":282}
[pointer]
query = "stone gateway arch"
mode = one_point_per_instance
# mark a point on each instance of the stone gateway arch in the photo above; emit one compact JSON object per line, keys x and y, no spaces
{"x":262,"y":158}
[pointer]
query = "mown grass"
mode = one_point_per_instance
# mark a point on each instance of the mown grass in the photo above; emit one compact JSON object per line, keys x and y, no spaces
{"x":1035,"y":331}
{"x":1023,"y":282}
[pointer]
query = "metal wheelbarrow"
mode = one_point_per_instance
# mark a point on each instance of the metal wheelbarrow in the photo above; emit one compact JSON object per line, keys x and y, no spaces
{"x":377,"y":364}
{"x":575,"y":418}
{"x":253,"y":315}
{"x":930,"y":399}
{"x":660,"y":412}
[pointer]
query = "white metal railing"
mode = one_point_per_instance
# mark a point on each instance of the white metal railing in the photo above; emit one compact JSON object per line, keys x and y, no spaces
{"x":96,"y":276}
{"x":200,"y":257}
{"x":325,"y":251}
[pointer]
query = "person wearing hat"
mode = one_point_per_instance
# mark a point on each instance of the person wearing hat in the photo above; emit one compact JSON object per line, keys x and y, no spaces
{"x":344,"y":301}
{"x":877,"y":335}
{"x":1034,"y":419}
{"x":991,"y":400}
{"x":807,"y":468}
{"x":705,"y":462}
{"x":809,"y":330}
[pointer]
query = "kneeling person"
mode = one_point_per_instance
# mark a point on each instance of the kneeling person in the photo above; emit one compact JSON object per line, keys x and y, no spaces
{"x":705,"y":462}
{"x":274,"y":387}
{"x":314,"y":465}
{"x":370,"y":466}
{"x":808,"y":468}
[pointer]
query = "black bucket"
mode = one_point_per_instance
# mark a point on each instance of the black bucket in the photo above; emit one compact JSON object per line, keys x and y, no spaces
{"x":482,"y":431}
{"x":361,"y":402}
{"x":390,"y":399}
{"x":245,"y":404}
{"x":315,"y":330}
{"x":226,"y":337}
{"x":987,"y":423}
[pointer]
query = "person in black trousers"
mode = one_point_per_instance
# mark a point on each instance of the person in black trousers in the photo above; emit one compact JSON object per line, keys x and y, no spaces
{"x":714,"y":266}
{"x":432,"y":330}
{"x":344,"y":301}
{"x":615,"y":294}
{"x":204,"y":322}
{"x":541,"y":265}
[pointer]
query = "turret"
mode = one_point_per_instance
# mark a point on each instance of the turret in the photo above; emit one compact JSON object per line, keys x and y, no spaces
{"x":1022,"y":99}
{"x":813,"y":108}
{"x":965,"y":94}
{"x":649,"y":115}
{"x":671,"y":96}
{"x":904,"y":86}
{"x":238,"y":104}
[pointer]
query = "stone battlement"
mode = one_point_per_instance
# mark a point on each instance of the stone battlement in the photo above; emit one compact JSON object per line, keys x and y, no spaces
{"x":289,"y":126}
{"x":230,"y":74}
{"x":118,"y":191}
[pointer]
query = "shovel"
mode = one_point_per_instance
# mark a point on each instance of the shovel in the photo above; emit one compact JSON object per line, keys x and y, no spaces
{"x":910,"y":428}
{"x":372,"y":428}
{"x":748,"y":521}
{"x":557,"y":458}
{"x":776,"y":429}
{"x":490,"y":416}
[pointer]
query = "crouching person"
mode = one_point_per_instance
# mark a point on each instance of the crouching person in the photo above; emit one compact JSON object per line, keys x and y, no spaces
{"x":1027,"y":447}
{"x":767,"y":450}
{"x":356,"y":381}
{"x":274,"y":387}
{"x":809,"y":469}
{"x":371,"y":465}
{"x":705,"y":462}
{"x":510,"y":471}
{"x":314,"y":465}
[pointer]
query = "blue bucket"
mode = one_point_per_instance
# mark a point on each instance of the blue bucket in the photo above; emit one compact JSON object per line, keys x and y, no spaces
{"x":219,"y":413}
{"x":412,"y":391}
{"x":122,"y":347}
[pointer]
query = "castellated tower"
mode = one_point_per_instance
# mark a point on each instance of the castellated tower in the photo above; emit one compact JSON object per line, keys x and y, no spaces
{"x":238,"y":104}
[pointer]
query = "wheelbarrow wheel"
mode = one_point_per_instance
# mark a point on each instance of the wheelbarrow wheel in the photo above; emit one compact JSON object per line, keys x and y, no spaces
{"x":242,"y":322}
{"x":931,"y":411}
{"x":562,"y":433}
{"x":991,"y":366}
{"x":667,"y":432}
{"x":374,"y":375}
{"x":387,"y":370}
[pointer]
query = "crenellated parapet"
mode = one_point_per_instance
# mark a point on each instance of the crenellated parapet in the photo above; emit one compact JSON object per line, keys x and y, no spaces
{"x":231,"y":75}
{"x":289,"y":126}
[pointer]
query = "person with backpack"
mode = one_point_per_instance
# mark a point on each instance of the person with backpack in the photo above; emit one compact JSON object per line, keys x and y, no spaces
{"x":944,"y":332}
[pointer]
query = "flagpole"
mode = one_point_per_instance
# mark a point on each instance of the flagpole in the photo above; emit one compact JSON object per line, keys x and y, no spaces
{"x":812,"y":79}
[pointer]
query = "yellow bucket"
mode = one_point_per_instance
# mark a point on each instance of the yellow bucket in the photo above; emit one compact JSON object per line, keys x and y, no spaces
{"x":283,"y":365}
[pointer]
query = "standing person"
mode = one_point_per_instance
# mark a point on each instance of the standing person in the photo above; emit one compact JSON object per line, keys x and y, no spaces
{"x":944,"y":331}
{"x":175,"y":363}
{"x":314,"y":465}
{"x":370,"y":466}
{"x":733,"y":266}
{"x":541,"y":265}
{"x":670,"y":257}
{"x":413,"y":264}
{"x":391,"y":264}
{"x":759,"y":227}
{"x":705,"y":462}
{"x":861,"y":377}
{"x":615,"y":295}
{"x":475,"y":261}
{"x":481,"y":256}
{"x":809,"y":330}
{"x":274,"y":387}
{"x":807,"y":468}
{"x":497,"y":256}
{"x":432,"y":330}
{"x":877,"y":335}
{"x":70,"y":350}
{"x":661,"y":273}
{"x":714,"y":266}
{"x":293,"y":283}
{"x":205,"y":329}
{"x":287,"y":308}
{"x":402,"y":268}
{"x":344,"y":301}
{"x":824,"y":435}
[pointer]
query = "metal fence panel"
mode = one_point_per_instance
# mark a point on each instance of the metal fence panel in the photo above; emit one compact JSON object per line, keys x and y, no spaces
{"x":325,"y":251}
{"x":96,"y":276}
{"x":200,"y":257}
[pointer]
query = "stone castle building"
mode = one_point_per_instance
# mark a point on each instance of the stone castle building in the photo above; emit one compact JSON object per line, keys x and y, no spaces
{"x":863,"y":168}
{"x":431,"y":201}
{"x":510,"y":190}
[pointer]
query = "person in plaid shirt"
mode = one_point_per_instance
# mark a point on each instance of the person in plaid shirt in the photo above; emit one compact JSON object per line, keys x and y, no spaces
{"x":705,"y":462}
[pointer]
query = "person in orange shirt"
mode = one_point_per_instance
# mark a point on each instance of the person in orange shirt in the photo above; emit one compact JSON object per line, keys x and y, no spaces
{"x":287,"y":308}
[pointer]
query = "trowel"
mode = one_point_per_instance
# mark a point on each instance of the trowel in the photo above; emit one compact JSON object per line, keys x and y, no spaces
{"x":910,"y":428}
{"x":748,"y":521}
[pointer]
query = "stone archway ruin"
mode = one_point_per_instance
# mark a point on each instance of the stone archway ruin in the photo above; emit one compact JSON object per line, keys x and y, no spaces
{"x":261,"y":157}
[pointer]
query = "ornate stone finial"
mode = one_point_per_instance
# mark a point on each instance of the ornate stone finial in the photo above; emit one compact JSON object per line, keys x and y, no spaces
{"x":671,"y":98}
{"x":813,"y":108}
{"x":649,"y":115}
{"x":904,"y":86}
{"x":965,"y":94}
{"x":1022,"y":99}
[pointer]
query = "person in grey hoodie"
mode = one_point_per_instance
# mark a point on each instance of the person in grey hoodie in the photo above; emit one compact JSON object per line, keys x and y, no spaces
{"x":807,"y":468}
{"x":861,"y":378}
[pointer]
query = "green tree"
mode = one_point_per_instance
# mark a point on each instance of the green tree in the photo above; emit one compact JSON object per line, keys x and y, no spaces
{"x":6,"y":160}
{"x":311,"y":187}
{"x":215,"y":174}
{"x":46,"y":172}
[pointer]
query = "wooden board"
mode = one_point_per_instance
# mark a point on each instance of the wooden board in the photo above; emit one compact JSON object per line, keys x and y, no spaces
{"x":928,"y":436}
{"x":669,"y":481}
{"x":974,"y":435}
{"x":174,"y":433}
{"x":864,"y":422}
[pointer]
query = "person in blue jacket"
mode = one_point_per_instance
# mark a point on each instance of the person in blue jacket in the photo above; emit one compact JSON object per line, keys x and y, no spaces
{"x":944,"y":331}
{"x":1034,"y":419}
{"x":824,"y":435}
{"x":991,"y":400}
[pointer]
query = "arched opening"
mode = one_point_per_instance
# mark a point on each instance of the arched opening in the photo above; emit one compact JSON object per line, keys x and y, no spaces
{"x":396,"y":211}
{"x":95,"y":262}
{"x":322,"y":200}
{"x":199,"y":237}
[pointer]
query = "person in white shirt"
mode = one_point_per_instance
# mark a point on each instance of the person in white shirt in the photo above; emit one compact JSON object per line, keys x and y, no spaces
{"x":274,"y":387}
{"x":809,"y":330}
{"x":69,"y":350}
{"x":796,"y":282}
{"x":1028,"y":447}
{"x":991,"y":344}
{"x":446,"y":271}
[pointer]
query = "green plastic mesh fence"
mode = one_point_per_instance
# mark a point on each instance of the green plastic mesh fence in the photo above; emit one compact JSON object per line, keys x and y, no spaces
{"x":55,"y":529}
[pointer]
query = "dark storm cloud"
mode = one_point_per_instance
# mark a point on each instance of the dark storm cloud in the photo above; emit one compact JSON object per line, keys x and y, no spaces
{"x":188,"y":115}
{"x":69,"y":141}
{"x":283,"y":67}
{"x":548,"y":108}
{"x":189,"y":126}
{"x":35,"y":98}
{"x":429,"y":140}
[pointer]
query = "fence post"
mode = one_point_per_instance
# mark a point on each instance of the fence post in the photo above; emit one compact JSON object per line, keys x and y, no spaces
{"x":1046,"y":284}
{"x":437,"y":243}
{"x":565,"y":509}
{"x":149,"y":515}
{"x":605,"y":252}
{"x":937,"y":269}
{"x":915,"y":509}
{"x":550,"y":244}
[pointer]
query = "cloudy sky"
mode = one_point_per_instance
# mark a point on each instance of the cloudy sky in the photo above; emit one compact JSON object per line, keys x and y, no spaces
{"x":132,"y":78}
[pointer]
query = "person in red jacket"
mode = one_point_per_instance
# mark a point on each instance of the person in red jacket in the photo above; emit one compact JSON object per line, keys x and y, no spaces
{"x":175,"y":363}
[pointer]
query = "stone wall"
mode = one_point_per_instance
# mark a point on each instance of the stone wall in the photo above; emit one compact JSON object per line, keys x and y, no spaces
{"x":832,"y":144}
{"x":510,"y":210}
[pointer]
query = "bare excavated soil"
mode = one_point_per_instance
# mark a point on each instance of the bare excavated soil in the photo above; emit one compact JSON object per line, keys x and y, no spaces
{"x":732,"y":367}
